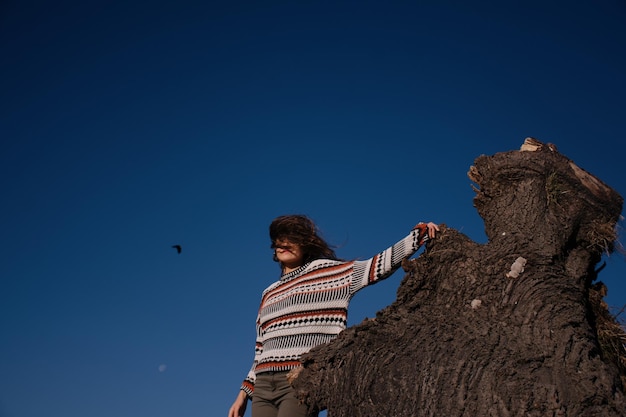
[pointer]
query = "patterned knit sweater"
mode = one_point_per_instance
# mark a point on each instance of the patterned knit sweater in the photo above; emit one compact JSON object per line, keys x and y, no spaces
{"x":309,"y":306}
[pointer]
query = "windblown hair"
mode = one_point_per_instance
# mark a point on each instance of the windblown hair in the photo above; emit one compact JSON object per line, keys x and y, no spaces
{"x":301,"y":230}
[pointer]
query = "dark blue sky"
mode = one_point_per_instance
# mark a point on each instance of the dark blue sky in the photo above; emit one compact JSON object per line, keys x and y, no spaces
{"x":128,"y":127}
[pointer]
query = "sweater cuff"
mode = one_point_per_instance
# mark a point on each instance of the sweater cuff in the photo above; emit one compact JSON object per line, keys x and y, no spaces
{"x":422,"y":233}
{"x":248,"y":388}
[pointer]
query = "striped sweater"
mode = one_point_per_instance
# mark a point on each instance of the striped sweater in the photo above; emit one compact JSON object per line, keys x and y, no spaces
{"x":309,"y":306}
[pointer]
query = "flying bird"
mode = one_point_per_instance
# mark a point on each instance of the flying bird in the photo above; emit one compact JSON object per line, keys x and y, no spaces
{"x":178,"y":248}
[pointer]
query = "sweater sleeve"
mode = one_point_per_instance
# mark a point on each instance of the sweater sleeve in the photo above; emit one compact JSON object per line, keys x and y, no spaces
{"x":385,"y":263}
{"x":248,"y":383}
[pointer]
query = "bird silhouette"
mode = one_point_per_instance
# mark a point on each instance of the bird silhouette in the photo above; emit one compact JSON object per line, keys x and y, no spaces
{"x":178,"y":248}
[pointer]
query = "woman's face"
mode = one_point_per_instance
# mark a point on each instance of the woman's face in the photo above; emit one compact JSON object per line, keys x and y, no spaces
{"x":289,"y":254}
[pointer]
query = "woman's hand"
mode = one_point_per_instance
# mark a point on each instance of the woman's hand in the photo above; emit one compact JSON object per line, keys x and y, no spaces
{"x":432,"y":229}
{"x":426,"y":231}
{"x":238,"y":409}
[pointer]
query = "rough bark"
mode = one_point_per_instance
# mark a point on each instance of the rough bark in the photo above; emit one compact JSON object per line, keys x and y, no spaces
{"x":473,"y":334}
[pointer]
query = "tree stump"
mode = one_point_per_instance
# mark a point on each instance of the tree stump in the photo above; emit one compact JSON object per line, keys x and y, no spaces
{"x":507,"y":328}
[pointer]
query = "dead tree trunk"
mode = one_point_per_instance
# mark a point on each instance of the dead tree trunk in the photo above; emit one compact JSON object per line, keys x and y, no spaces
{"x":508,"y":328}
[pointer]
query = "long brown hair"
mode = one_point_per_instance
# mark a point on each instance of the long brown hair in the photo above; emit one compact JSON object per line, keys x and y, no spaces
{"x":301,"y":230}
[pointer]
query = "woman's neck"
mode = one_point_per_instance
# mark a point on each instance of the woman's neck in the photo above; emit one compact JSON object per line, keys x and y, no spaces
{"x":288,"y":269}
{"x":291,"y":266}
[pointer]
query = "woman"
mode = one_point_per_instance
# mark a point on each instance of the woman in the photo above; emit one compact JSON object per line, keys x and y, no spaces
{"x":306,"y":307}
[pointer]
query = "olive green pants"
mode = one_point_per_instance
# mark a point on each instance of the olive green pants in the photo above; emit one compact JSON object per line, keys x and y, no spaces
{"x":275,"y":397}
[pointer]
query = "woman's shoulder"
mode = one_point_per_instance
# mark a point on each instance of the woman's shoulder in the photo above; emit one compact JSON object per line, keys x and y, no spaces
{"x":325,"y":263}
